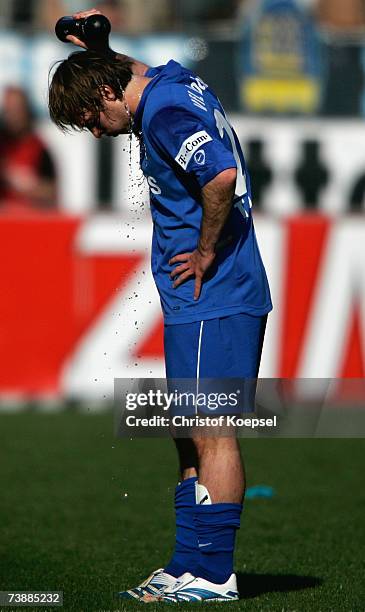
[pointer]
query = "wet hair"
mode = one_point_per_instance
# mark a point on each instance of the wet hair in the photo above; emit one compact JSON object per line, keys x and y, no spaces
{"x":75,"y":87}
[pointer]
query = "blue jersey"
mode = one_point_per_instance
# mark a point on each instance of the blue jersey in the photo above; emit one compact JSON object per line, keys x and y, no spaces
{"x":186,"y":141}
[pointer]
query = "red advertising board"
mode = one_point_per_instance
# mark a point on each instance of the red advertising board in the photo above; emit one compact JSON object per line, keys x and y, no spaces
{"x":78,"y":303}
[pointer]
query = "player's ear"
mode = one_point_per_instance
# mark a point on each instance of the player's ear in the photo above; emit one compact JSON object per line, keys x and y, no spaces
{"x":108,"y":93}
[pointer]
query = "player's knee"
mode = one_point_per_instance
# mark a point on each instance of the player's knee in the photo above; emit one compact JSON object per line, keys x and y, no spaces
{"x":204,"y":444}
{"x":212,"y":445}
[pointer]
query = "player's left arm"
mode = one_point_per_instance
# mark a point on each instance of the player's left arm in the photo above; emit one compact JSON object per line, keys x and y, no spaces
{"x":188,"y":141}
{"x":217,"y":196}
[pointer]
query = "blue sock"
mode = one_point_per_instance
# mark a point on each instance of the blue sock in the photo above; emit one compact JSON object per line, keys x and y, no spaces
{"x":216,"y":526}
{"x":186,"y":553}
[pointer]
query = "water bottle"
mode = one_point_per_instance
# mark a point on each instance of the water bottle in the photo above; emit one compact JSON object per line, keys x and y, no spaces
{"x":93,"y":31}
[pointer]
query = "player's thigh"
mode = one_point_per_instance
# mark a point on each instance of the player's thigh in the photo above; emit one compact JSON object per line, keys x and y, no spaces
{"x":181,"y":346}
{"x":231,"y":347}
{"x":227,"y":347}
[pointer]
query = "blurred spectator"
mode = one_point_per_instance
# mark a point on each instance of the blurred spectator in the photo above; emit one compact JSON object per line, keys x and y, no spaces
{"x":280,"y":62}
{"x":345,"y":17}
{"x":48,"y":12}
{"x":308,"y":5}
{"x":343,"y":24}
{"x":115,"y":12}
{"x":27,"y":172}
{"x":127,"y":16}
{"x":205,"y":12}
{"x":18,"y":13}
{"x":148,"y":16}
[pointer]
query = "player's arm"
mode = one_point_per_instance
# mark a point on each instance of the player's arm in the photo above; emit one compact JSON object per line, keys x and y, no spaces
{"x":138,"y":68}
{"x":180,"y":133}
{"x":217,"y":197}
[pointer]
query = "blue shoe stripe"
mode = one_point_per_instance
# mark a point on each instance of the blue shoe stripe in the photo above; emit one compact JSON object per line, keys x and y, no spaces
{"x":196,"y":594}
{"x":153,"y":585}
{"x":153,"y":590}
{"x":232,"y":593}
{"x":202,"y":592}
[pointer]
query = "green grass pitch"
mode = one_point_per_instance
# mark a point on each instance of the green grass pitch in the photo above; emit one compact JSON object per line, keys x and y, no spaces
{"x":90,"y":515}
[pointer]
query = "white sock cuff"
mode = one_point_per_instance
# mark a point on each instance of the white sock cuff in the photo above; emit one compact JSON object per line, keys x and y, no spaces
{"x":202,"y":496}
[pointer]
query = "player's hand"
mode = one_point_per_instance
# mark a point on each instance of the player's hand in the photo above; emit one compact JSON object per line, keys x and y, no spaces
{"x":76,"y":41}
{"x":191,"y":264}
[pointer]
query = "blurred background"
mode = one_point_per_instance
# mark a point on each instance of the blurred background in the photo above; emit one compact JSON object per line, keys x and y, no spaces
{"x":78,"y":305}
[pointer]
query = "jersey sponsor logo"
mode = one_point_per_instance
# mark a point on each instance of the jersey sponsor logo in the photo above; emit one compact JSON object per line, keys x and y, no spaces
{"x":200,"y":157}
{"x":190,"y":145}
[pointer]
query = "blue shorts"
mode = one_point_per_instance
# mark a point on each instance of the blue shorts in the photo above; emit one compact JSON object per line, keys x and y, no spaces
{"x":228,"y":347}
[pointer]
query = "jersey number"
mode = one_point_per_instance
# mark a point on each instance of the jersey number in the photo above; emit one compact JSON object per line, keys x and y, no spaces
{"x":241,"y":187}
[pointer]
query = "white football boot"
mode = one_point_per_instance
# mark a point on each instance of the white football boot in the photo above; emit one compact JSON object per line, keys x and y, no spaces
{"x":154,"y":585}
{"x":188,"y":588}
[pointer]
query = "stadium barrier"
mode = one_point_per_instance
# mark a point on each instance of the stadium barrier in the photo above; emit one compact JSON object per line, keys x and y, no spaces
{"x":79,"y":306}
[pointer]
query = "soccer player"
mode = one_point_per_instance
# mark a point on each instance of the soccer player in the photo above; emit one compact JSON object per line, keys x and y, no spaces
{"x":209,"y":274}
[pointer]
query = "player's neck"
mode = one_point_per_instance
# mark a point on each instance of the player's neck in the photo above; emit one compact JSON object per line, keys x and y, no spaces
{"x":134,"y":91}
{"x":138,"y":68}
